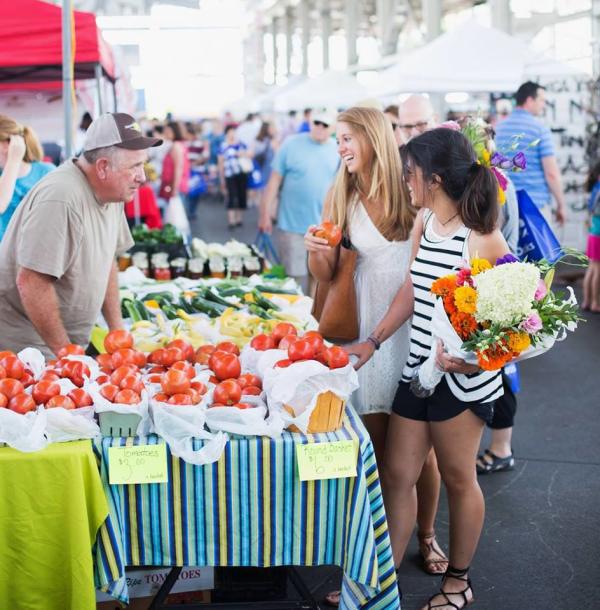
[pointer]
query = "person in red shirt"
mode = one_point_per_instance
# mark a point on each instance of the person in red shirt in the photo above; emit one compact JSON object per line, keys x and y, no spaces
{"x":143,"y":208}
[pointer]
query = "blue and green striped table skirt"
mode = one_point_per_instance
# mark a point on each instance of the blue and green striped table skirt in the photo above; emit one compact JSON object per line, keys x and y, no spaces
{"x":250,"y":509}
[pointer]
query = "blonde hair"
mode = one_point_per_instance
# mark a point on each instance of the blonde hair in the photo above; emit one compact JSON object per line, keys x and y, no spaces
{"x":33,"y":148}
{"x":374,"y":131}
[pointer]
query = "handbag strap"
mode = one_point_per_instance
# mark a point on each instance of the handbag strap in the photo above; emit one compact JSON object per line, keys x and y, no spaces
{"x":264,"y":243}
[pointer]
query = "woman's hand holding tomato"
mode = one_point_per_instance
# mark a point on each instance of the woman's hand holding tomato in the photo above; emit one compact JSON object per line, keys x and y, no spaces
{"x":363,"y":351}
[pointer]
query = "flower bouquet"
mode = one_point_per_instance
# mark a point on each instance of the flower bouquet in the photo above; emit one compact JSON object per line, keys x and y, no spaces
{"x":492,"y":315}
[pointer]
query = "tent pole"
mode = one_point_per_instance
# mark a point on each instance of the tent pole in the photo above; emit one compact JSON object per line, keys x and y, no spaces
{"x":67,"y":73}
{"x":98,"y":72}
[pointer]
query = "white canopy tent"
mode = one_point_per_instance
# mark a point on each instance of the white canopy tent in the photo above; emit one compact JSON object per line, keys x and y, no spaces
{"x":471,"y":58}
{"x":331,"y":89}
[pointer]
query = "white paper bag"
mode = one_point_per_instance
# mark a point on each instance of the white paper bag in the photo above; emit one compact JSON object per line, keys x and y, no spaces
{"x":23,"y":432}
{"x":246,"y":422}
{"x":70,"y":424}
{"x":175,"y":214}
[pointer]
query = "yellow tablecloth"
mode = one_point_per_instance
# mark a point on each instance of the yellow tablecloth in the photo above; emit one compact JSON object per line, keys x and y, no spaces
{"x":51,"y":506}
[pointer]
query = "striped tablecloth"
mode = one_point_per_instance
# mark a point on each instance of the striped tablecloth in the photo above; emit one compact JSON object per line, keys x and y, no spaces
{"x":250,"y":509}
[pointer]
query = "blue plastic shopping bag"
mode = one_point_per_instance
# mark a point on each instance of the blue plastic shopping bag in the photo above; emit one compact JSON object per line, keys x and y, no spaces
{"x":196,"y":183}
{"x":536,"y":238}
{"x":511,"y":370}
{"x":255,"y":179}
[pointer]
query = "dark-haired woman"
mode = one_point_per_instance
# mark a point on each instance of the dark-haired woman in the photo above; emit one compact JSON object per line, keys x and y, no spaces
{"x":458,"y":220}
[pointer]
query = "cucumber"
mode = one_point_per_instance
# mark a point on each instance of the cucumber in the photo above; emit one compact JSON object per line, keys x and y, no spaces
{"x":212,"y":309}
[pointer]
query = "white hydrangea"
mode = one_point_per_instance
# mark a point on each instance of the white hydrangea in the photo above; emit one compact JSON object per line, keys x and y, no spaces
{"x":505,"y":293}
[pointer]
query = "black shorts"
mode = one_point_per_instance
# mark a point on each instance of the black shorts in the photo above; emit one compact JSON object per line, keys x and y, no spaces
{"x":440,"y":406}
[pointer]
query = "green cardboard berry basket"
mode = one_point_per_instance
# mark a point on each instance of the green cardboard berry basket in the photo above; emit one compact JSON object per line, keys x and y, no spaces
{"x":118,"y":424}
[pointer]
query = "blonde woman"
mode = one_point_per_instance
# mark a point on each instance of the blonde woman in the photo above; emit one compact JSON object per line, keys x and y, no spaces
{"x":21,"y":166}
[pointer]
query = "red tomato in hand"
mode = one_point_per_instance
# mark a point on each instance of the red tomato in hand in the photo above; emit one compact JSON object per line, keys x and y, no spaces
{"x":186,"y":367}
{"x":60,"y":401}
{"x":175,"y":382}
{"x":13,"y":367}
{"x":229,"y":347}
{"x":301,"y":350}
{"x":71,"y":349}
{"x":118,"y":339}
{"x":43,"y":391}
{"x":203,"y":354}
{"x":3,"y":401}
{"x":281,"y":330}
{"x":80,"y":398}
{"x":11,"y":387}
{"x":226,"y":366}
{"x":109,"y":391}
{"x":184,"y":346}
{"x":329,"y":231}
{"x":262,"y":342}
{"x":336,"y":357}
{"x":248,"y":379}
{"x":287,"y":341}
{"x":227,"y":392}
{"x":21,"y":403}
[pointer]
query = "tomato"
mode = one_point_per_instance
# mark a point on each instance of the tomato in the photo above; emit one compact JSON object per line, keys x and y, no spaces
{"x":282,"y":364}
{"x":157,"y":356}
{"x":172,"y":355}
{"x":248,"y":379}
{"x":199,"y":387}
{"x":336,"y":357}
{"x":6,"y":352}
{"x":21,"y":403}
{"x":203,"y":353}
{"x":180,"y":399}
{"x":186,"y":367}
{"x":13,"y":367}
{"x":139,"y":359}
{"x":102,"y":379}
{"x":3,"y":401}
{"x":123,"y":371}
{"x":184,"y":346}
{"x":43,"y":391}
{"x":109,"y":391}
{"x":49,"y":376}
{"x":122,"y":356}
{"x":127,"y":397}
{"x":132,"y":382}
{"x":226,"y":366}
{"x":281,"y":330}
{"x":243,"y":405}
{"x":157,"y":369}
{"x":71,"y":349}
{"x":60,"y":401}
{"x":213,"y":379}
{"x":228,"y":346}
{"x":2,"y":372}
{"x":11,"y":387}
{"x":105,"y":361}
{"x":81,"y":398}
{"x":262,"y":342}
{"x":194,"y":395}
{"x":175,"y":382}
{"x":75,"y":371}
{"x":251,"y":390}
{"x":27,"y":379}
{"x":214,"y":357}
{"x":161,"y":397}
{"x":227,"y":392}
{"x":118,"y":339}
{"x":154,"y":378}
{"x":315,"y":339}
{"x":329,"y":231}
{"x":301,"y":350}
{"x":287,"y":341}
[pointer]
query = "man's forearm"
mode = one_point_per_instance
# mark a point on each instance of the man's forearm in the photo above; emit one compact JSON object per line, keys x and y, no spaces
{"x":552,"y":175}
{"x":111,"y":308}
{"x":41,"y":305}
{"x":270,"y":195}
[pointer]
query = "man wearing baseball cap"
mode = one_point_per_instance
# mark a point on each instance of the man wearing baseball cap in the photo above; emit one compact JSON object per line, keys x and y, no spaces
{"x":57,"y":257}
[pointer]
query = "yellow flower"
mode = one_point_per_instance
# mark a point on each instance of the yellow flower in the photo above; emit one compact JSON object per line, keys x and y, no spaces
{"x":501,"y":196}
{"x":518,"y":342}
{"x":465,"y":299}
{"x":485,"y":156}
{"x":479,"y":264}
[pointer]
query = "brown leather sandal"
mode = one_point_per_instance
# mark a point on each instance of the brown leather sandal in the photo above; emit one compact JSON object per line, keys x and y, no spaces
{"x":429,"y":543}
{"x":461,"y":575}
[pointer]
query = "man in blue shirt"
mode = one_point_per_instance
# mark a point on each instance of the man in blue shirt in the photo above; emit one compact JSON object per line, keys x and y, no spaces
{"x":303,"y":169}
{"x":542,"y":178}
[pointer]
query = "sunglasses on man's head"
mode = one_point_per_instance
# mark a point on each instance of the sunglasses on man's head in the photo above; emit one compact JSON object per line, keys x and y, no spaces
{"x":320,"y":124}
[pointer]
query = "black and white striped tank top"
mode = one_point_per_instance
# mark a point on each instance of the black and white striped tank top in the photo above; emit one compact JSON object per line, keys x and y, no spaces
{"x":439,"y":256}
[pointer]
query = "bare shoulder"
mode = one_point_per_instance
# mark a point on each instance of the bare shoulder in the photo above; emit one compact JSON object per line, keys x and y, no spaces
{"x":490,"y":246}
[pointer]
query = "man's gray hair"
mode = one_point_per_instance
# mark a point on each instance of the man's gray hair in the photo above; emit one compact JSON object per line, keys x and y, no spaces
{"x":112,"y":153}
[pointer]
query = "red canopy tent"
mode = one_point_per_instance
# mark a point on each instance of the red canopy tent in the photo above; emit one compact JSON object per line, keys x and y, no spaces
{"x":31,"y":49}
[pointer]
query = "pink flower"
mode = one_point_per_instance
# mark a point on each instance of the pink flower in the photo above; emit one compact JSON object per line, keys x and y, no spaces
{"x":541,"y":291}
{"x":532,"y":323}
{"x":463,"y":277}
{"x":450,"y":125}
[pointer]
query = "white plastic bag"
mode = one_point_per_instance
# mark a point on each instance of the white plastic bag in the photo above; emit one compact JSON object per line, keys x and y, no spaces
{"x":23,"y":432}
{"x":300,"y":384}
{"x":34,"y":360}
{"x":257,"y":362}
{"x":176,"y":215}
{"x":70,"y":424}
{"x":246,"y":422}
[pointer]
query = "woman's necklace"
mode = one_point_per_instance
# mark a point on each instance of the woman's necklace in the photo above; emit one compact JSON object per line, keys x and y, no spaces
{"x":447,"y":221}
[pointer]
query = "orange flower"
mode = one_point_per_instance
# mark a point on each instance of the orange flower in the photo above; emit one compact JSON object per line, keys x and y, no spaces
{"x":518,"y":342}
{"x":449,"y":305}
{"x":494,"y":358}
{"x":444,"y":285}
{"x":464,"y":324}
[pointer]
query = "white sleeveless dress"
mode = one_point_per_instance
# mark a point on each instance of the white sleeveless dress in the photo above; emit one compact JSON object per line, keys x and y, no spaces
{"x":382,"y":267}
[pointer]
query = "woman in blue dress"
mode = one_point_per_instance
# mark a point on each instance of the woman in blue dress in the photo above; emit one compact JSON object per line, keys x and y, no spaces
{"x":21,"y":166}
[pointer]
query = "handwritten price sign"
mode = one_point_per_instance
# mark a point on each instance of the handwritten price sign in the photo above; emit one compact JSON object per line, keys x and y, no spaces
{"x":334,"y":460}
{"x":137,"y":464}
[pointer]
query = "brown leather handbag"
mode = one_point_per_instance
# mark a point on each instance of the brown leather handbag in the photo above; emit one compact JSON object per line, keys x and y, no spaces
{"x":335,"y":300}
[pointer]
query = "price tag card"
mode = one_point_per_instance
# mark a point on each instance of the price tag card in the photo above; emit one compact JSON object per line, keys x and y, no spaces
{"x":137,"y":464}
{"x":334,"y":460}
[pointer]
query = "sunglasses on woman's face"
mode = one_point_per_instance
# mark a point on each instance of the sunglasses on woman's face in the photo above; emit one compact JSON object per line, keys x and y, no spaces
{"x":320,"y":124}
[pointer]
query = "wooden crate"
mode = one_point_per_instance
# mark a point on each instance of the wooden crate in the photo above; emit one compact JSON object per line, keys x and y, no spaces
{"x":327,"y":415}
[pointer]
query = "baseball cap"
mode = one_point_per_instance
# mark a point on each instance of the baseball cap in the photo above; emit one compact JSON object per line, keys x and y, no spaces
{"x":323,"y":117}
{"x":117,"y":129}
